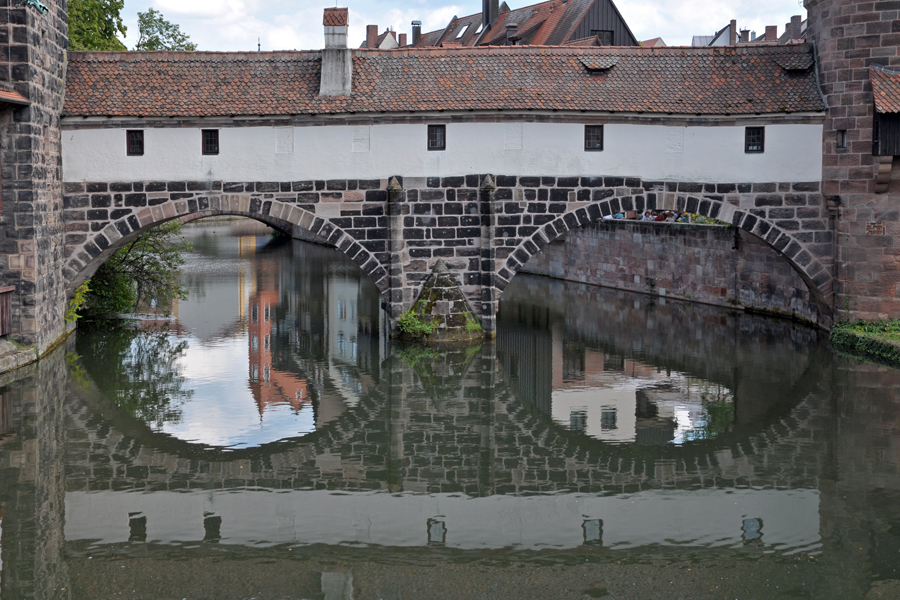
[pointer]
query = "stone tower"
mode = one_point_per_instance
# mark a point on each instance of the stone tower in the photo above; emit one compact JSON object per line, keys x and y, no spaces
{"x":33,"y":46}
{"x":852,"y":36}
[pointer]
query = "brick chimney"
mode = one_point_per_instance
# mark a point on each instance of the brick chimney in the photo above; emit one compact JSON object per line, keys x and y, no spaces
{"x":402,"y":41}
{"x":416,"y":32}
{"x":771,"y":33}
{"x":796,"y":22}
{"x":745,"y":36}
{"x":511,"y":30}
{"x":337,"y":62}
{"x":371,"y":36}
{"x":732,"y":33}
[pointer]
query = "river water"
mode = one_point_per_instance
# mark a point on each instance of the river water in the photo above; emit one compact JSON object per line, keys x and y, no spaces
{"x":268,"y":441}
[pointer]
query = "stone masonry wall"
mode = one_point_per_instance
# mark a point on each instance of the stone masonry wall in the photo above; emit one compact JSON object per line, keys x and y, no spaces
{"x":31,"y":218}
{"x":691,"y":262}
{"x":850,"y":36}
{"x":484,"y":228}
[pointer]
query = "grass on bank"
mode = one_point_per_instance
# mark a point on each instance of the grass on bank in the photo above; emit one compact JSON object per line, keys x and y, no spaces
{"x":879,"y":340}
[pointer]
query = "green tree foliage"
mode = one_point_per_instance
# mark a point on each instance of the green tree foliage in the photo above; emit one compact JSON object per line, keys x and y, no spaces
{"x":159,"y":34}
{"x":145,"y":270}
{"x":140,"y":371}
{"x":94,"y":24}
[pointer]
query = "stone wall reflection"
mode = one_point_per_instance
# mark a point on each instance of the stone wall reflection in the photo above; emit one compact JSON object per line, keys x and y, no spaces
{"x":32,"y":476}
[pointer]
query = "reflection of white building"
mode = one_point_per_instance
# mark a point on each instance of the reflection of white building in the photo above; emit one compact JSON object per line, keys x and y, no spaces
{"x":343,"y":294}
{"x":342,"y":329}
{"x":607,"y":414}
{"x":780,"y":520}
{"x":634,"y":403}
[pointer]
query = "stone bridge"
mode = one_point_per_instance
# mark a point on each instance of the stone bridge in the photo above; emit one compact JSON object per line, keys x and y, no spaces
{"x":481,"y":172}
{"x":484,"y":227}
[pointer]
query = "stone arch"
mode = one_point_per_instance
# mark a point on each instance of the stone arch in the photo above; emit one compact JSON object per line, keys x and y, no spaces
{"x":799,"y":256}
{"x":277,"y":224}
{"x":89,"y":251}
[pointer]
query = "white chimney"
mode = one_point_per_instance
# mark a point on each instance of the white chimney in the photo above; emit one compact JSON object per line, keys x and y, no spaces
{"x":337,"y":61}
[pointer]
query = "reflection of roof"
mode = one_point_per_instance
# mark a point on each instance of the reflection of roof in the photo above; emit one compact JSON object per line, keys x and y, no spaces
{"x":886,"y":90}
{"x":731,"y":80}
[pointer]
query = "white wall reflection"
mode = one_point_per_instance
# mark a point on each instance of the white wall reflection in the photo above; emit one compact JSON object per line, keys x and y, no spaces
{"x":781,"y":520}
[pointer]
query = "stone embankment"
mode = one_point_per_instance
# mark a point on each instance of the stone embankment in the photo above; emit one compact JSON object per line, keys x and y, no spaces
{"x":703,"y":263}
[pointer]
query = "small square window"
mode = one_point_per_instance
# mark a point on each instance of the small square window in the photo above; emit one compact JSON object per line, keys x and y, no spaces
{"x":437,"y":137}
{"x":754,"y":140}
{"x":135,"y":142}
{"x":210,"y":141}
{"x":606,"y":36}
{"x":593,"y":137}
{"x":841,"y":141}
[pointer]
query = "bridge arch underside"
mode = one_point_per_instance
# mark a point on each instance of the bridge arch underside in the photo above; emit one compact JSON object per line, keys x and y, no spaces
{"x":484,"y":227}
{"x":87,"y":251}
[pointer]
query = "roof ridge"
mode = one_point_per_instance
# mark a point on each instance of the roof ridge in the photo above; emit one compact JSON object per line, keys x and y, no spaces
{"x":566,"y":50}
{"x":132,"y":54}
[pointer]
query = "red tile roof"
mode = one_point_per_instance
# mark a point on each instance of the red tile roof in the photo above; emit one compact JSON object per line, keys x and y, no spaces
{"x":584,"y":42}
{"x":13,"y":98}
{"x":548,"y":23}
{"x":886,"y":90}
{"x":335,"y":17}
{"x":724,"y":80}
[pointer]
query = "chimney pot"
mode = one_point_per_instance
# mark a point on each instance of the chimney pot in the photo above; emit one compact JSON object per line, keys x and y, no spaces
{"x":416,"y":32}
{"x":371,"y":36}
{"x":511,"y":30}
{"x":336,"y":21}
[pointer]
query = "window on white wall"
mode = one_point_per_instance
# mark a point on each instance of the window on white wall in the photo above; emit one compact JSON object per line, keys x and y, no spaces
{"x":437,"y":137}
{"x":134,"y":140}
{"x":593,"y":137}
{"x":210,"y":141}
{"x":754,"y":140}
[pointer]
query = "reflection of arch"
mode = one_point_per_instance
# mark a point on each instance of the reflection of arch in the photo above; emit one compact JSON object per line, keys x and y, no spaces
{"x":817,"y":278}
{"x":87,"y":257}
{"x":780,"y":453}
{"x":534,"y":330}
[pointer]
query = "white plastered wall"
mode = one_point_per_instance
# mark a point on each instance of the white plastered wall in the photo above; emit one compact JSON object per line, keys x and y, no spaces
{"x":651,"y":152}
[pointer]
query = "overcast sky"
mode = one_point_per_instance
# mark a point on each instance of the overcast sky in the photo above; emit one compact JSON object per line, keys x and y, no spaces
{"x":297,"y":24}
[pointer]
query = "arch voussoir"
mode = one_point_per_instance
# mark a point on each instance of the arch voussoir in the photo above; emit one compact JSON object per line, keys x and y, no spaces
{"x":778,"y":227}
{"x":90,"y":243}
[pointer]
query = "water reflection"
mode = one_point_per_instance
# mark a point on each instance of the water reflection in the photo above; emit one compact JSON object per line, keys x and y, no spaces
{"x":266,"y":345}
{"x":740,"y":452}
